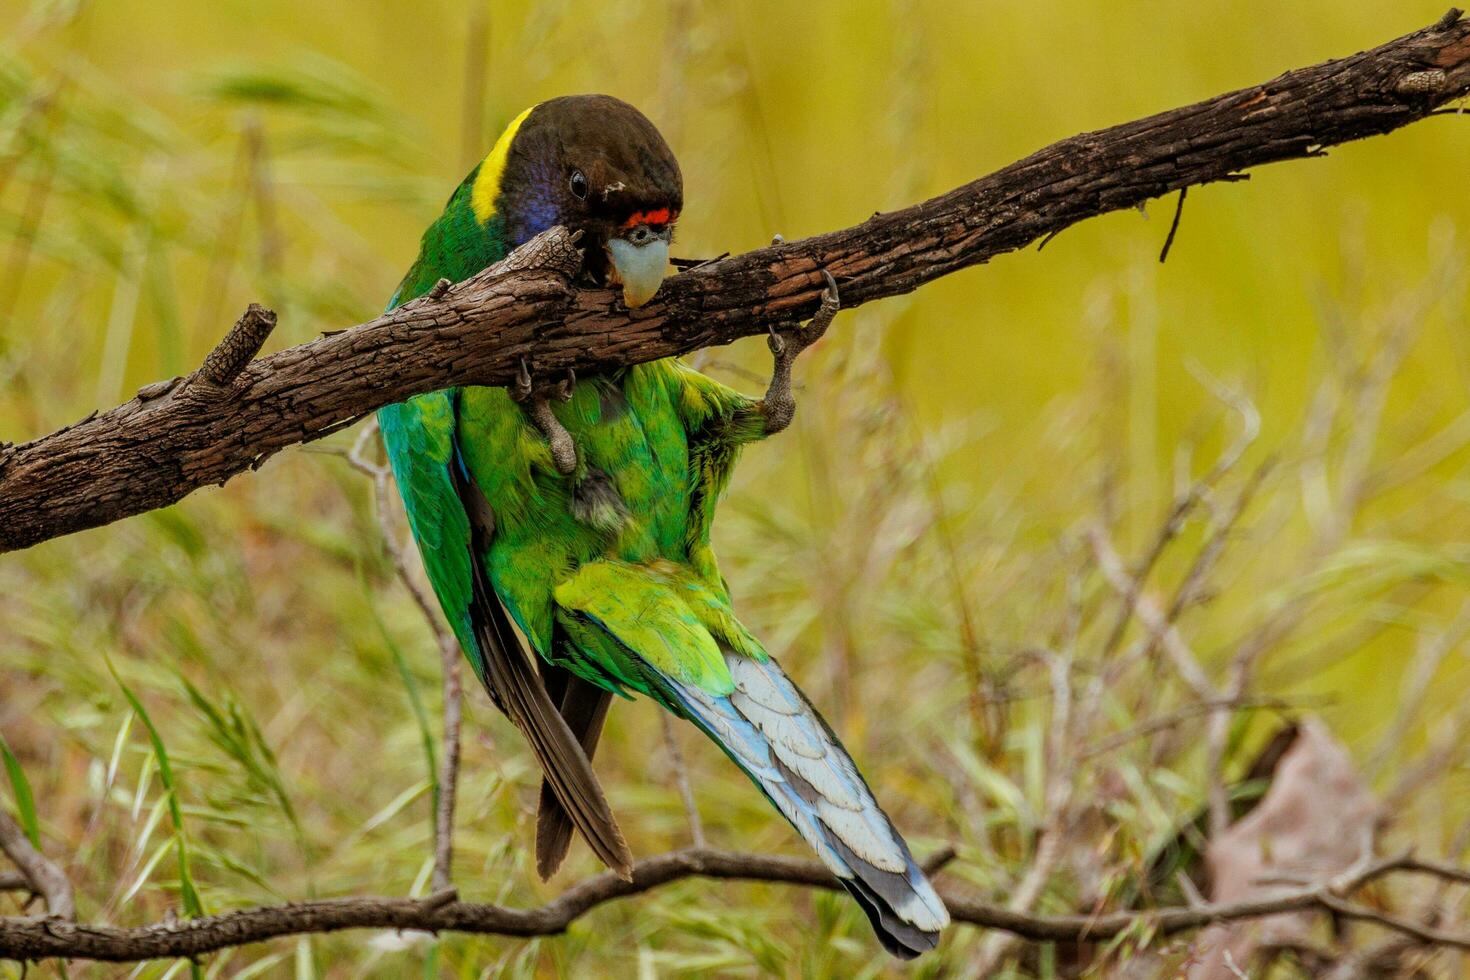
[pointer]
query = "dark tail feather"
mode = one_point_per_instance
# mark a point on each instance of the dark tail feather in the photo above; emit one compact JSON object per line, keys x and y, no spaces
{"x":517,"y":688}
{"x":584,"y":707}
{"x":774,"y":734}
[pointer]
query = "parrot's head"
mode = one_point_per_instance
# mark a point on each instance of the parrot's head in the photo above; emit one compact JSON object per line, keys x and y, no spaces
{"x":593,"y":164}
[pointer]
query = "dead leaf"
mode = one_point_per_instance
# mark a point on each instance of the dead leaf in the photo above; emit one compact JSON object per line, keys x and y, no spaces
{"x":1315,"y":822}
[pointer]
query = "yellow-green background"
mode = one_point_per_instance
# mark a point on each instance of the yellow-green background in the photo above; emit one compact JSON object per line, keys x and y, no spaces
{"x":1011,"y":386}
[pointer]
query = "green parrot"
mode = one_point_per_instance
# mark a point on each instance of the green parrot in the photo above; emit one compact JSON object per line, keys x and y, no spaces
{"x":585,"y":522}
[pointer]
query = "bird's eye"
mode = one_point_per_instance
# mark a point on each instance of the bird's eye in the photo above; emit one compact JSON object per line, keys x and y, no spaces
{"x":579,"y":185}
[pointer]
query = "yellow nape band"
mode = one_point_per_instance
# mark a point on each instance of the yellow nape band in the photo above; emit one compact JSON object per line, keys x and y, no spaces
{"x":487,"y":181}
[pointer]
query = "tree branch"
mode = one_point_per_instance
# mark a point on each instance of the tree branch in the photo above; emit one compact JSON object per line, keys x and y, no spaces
{"x":35,"y":938}
{"x":182,"y":435}
{"x":37,"y":872}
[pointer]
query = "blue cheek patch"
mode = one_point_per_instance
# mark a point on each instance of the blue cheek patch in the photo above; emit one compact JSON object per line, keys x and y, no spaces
{"x":538,"y":208}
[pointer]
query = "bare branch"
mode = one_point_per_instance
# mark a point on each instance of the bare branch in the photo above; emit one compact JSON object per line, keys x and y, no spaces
{"x":452,"y":694}
{"x":681,"y":779}
{"x":30,"y":938}
{"x":1192,"y":709}
{"x":1145,"y":606}
{"x":151,"y":452}
{"x":38,"y":873}
{"x":1408,"y":927}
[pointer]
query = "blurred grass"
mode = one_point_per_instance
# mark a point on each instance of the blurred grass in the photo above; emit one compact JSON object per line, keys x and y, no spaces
{"x":163,"y":164}
{"x":20,"y":789}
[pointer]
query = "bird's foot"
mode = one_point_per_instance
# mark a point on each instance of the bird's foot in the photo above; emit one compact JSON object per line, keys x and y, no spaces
{"x":538,"y":410}
{"x":788,"y":341}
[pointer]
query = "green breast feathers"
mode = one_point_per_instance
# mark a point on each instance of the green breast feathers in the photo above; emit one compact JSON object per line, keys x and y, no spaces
{"x":639,"y":493}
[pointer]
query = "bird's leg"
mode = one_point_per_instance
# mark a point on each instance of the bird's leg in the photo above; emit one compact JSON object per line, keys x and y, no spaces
{"x":538,"y":409}
{"x":786,"y":342}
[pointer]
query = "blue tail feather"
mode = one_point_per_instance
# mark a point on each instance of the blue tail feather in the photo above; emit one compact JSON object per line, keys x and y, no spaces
{"x":770,"y":730}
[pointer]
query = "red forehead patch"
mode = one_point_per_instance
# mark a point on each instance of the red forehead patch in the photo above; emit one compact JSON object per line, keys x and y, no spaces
{"x":659,"y":217}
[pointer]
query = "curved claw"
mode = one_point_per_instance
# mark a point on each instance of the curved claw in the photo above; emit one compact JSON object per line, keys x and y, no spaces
{"x":522,"y":389}
{"x":775,"y":341}
{"x":831,"y":303}
{"x":829,"y":295}
{"x":565,"y":386}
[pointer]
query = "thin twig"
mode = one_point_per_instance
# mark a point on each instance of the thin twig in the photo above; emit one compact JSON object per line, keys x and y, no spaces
{"x":1185,"y":502}
{"x":1057,"y":801}
{"x":681,"y":779}
{"x":1191,"y":710}
{"x":1061,"y":780}
{"x":1161,"y":630}
{"x":1174,"y":227}
{"x":1219,"y":535}
{"x":450,"y":661}
{"x":1423,"y":933}
{"x":1431,"y":655}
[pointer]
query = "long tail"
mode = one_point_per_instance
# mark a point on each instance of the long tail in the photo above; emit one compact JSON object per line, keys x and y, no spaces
{"x":770,"y":730}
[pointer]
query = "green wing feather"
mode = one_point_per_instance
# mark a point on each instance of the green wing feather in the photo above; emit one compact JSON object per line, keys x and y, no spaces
{"x":419,"y":437}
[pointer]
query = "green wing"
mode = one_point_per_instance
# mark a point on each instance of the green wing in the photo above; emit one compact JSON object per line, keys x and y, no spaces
{"x":419,"y":437}
{"x":718,"y":420}
{"x":454,"y":527}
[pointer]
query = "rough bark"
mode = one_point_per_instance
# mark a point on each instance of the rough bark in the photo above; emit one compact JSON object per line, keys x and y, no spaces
{"x":178,"y":436}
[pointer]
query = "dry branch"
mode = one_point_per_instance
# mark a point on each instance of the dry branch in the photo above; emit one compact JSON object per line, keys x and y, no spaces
{"x":35,"y":938}
{"x":37,"y":872}
{"x":182,"y":435}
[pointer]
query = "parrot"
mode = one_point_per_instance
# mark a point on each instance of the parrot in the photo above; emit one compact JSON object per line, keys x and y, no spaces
{"x":578,"y":525}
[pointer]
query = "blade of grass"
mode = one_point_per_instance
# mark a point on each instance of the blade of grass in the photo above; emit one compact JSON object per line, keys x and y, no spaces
{"x":25,"y":801}
{"x":188,"y":894}
{"x":239,"y":737}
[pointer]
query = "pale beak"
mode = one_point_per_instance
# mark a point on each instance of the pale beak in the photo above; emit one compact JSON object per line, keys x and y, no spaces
{"x":639,"y":259}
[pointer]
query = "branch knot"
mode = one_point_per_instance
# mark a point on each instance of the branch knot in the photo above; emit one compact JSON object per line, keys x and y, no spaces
{"x":239,"y":346}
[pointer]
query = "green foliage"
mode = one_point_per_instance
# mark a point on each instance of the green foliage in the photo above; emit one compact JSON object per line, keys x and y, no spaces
{"x":187,"y":892}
